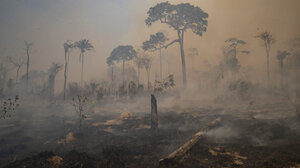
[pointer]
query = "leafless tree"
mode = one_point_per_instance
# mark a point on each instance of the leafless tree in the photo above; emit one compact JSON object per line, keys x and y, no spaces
{"x":28,"y":46}
{"x":18,"y":62}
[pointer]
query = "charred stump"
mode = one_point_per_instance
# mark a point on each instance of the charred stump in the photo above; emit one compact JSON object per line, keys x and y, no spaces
{"x":154,"y":116}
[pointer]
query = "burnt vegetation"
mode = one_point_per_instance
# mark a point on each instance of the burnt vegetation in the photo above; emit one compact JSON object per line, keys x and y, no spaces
{"x":221,"y":114}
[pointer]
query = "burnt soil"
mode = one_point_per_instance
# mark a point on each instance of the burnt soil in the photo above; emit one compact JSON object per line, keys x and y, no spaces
{"x":236,"y":141}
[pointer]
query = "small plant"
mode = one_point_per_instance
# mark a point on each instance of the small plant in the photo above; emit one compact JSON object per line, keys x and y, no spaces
{"x":80,"y":103}
{"x":9,"y":107}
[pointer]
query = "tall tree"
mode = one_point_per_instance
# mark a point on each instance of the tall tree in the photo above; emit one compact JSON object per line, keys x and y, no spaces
{"x":281,"y":55}
{"x":84,"y":45}
{"x":268,"y":40}
{"x":181,"y":18}
{"x":67,"y":46}
{"x":147,"y":62}
{"x":139,"y":63}
{"x":110,"y":63}
{"x":122,"y":53}
{"x":192,"y":53}
{"x":18,"y":62}
{"x":52,"y":72}
{"x":28,"y":46}
{"x":156,"y":42}
{"x":230,"y":52}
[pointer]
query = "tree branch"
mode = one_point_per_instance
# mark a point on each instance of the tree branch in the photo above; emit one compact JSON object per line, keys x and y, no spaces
{"x":166,"y":46}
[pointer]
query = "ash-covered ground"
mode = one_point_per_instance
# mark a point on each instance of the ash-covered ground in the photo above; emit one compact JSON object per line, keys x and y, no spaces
{"x":262,"y":131}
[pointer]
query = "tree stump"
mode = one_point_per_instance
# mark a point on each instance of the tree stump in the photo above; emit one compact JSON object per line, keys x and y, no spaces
{"x":154,"y":116}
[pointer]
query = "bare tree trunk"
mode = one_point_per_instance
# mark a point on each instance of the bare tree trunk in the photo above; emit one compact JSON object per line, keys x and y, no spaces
{"x":112,"y":78}
{"x":268,"y":66}
{"x":17,"y":75}
{"x":180,"y":38}
{"x":138,"y":82}
{"x":27,"y":71}
{"x":160,"y":57}
{"x":123,"y":75}
{"x":178,"y":154}
{"x":65,"y":74}
{"x":281,"y":72}
{"x":148,"y":77}
{"x":82,"y":59}
{"x":154,"y":116}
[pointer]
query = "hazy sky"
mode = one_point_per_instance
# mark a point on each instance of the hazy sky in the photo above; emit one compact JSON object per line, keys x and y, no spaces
{"x":109,"y":23}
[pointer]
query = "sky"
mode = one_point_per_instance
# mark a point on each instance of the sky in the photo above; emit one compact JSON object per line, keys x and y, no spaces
{"x":109,"y":23}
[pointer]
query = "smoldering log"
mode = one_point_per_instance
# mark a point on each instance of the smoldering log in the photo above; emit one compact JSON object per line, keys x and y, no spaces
{"x":154,"y":116}
{"x":176,"y":156}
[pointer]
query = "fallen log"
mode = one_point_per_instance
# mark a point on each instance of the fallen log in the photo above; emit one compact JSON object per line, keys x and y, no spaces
{"x":178,"y":154}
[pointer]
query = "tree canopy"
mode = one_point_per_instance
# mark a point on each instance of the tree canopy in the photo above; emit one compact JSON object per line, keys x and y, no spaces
{"x":84,"y":45}
{"x":180,"y":17}
{"x":155,"y":42}
{"x":121,"y":53}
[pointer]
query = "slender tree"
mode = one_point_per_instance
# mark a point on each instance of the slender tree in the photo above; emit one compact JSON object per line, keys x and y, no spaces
{"x":110,"y":63}
{"x":28,"y":46}
{"x":281,"y":55}
{"x":122,"y":53}
{"x":18,"y":62}
{"x":181,"y":18}
{"x":84,"y":45}
{"x":156,"y":43}
{"x":139,"y":63}
{"x":230,"y":52}
{"x":52,"y":72}
{"x":67,"y":46}
{"x":147,"y":62}
{"x":192,"y":53}
{"x":268,"y":40}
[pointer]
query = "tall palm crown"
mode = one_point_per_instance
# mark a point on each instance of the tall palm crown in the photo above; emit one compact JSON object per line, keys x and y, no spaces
{"x":84,"y":45}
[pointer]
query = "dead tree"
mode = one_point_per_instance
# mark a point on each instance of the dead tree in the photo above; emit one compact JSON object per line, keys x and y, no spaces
{"x":154,"y":116}
{"x":80,"y":103}
{"x":27,"y":48}
{"x":18,"y":62}
{"x":178,"y":154}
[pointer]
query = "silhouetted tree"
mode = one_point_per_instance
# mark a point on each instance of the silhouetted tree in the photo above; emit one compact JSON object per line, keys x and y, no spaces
{"x":84,"y":45}
{"x":52,"y":72}
{"x":110,"y":63}
{"x":281,"y":55}
{"x":67,"y":46}
{"x":139,"y":63}
{"x":147,"y":62}
{"x":268,"y":40}
{"x":180,"y":17}
{"x":28,"y":46}
{"x":192,"y":53}
{"x":156,"y":42}
{"x":18,"y":62}
{"x":230,"y":52}
{"x":122,"y":53}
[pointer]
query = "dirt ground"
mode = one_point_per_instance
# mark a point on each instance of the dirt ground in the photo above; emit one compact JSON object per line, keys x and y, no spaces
{"x":262,"y":134}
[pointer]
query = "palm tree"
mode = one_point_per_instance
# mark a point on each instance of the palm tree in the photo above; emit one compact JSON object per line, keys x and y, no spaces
{"x":268,"y":40}
{"x":84,"y":45}
{"x":67,"y":46}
